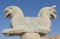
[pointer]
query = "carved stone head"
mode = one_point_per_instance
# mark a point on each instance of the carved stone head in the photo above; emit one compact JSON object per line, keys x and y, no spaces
{"x":53,"y":12}
{"x":12,"y":11}
{"x":49,"y":12}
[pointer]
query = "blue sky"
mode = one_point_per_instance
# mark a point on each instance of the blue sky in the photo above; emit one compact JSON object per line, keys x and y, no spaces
{"x":31,"y":9}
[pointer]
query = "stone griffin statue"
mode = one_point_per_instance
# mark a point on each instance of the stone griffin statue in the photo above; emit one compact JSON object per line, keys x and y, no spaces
{"x":21,"y":24}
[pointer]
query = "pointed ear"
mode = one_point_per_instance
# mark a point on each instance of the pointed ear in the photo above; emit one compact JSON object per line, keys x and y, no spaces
{"x":54,"y":6}
{"x":40,"y":13}
{"x":21,"y":12}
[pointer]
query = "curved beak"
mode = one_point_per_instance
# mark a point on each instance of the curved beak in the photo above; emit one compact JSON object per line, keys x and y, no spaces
{"x":8,"y":15}
{"x":53,"y":16}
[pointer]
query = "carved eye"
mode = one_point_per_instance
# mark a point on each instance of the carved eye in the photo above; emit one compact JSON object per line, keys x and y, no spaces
{"x":10,"y":8}
{"x":6,"y":11}
{"x":54,"y":12}
{"x":50,"y":9}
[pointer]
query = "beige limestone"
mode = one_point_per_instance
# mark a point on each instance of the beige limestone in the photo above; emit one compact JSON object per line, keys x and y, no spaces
{"x":19,"y":23}
{"x":31,"y":36}
{"x":57,"y":36}
{"x":29,"y":27}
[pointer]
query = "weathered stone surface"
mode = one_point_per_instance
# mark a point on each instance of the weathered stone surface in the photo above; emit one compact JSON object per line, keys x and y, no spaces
{"x":43,"y":37}
{"x":31,"y":36}
{"x":19,"y":23}
{"x":30,"y":27}
{"x":52,"y":37}
{"x":31,"y":24}
{"x":55,"y":37}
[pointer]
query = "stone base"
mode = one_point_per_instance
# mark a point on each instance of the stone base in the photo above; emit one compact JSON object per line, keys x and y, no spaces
{"x":31,"y":36}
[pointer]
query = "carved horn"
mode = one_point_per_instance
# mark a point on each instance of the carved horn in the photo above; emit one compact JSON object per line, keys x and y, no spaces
{"x":54,"y":6}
